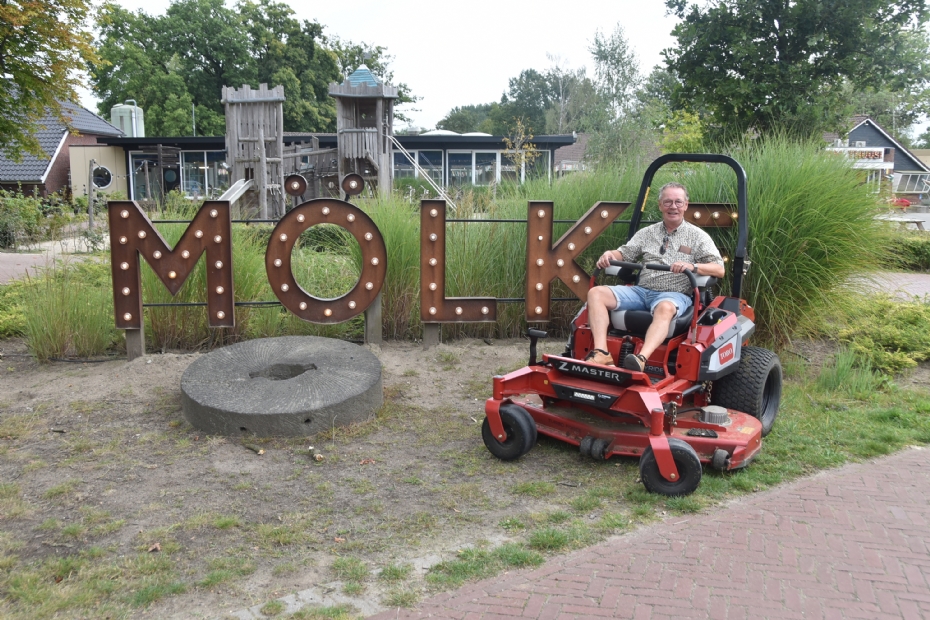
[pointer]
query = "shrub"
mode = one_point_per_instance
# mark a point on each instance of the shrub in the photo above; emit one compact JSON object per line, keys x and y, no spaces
{"x":20,"y":219}
{"x":812,"y":229}
{"x":911,"y":251}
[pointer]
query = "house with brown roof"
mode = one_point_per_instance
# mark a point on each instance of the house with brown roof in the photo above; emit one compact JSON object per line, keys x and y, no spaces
{"x":50,"y":172}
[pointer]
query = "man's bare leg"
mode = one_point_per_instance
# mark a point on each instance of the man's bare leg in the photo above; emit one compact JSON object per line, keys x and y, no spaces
{"x":601,"y":301}
{"x":658,"y":330}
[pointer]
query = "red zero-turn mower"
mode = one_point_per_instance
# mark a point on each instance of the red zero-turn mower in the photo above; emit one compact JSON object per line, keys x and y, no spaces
{"x":705,"y":396}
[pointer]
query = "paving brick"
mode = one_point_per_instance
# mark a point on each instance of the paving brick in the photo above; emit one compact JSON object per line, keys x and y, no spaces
{"x":534,"y":606}
{"x":843,"y":544}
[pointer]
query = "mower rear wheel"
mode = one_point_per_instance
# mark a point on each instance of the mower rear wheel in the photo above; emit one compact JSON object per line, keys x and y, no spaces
{"x":520,"y":429}
{"x":687,"y":462}
{"x":755,"y":387}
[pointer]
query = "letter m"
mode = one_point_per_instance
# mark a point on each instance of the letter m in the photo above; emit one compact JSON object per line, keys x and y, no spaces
{"x":132,"y":235}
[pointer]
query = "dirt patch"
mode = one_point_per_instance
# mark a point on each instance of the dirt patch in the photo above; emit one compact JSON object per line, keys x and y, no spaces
{"x":98,"y":458}
{"x":98,"y":463}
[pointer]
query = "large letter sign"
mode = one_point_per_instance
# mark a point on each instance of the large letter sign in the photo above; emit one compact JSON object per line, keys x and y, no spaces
{"x":132,"y":234}
{"x":435,"y":307}
{"x":546,"y":262}
{"x":278,"y":261}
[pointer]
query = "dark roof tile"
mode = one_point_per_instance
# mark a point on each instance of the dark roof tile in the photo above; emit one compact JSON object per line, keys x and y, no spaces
{"x":51,"y":131}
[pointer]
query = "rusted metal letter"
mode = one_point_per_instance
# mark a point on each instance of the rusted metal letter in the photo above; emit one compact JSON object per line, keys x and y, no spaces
{"x":545,"y":262}
{"x":132,"y":234}
{"x":435,"y":307}
{"x":278,"y":261}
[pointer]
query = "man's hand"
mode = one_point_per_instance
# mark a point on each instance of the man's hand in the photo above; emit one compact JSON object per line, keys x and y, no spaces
{"x":683,"y":266}
{"x":604,"y":261}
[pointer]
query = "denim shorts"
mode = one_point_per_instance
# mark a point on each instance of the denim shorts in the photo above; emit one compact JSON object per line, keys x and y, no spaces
{"x":639,"y":298}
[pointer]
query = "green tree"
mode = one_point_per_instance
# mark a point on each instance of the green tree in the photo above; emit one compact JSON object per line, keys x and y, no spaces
{"x":291,"y":53}
{"x":179,"y":62}
{"x":575,"y":103}
{"x":43,"y":46}
{"x":616,"y":70}
{"x":769,"y":64}
{"x":923,"y":140}
{"x":617,"y":130}
{"x":896,"y":112}
{"x":466,"y":118}
{"x":527,"y":97}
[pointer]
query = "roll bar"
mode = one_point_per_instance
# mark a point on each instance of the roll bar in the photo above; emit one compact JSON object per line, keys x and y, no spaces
{"x":739,"y":256}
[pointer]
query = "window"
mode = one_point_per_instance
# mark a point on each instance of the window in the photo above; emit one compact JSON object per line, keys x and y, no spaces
{"x":102,"y":177}
{"x":510,"y":171}
{"x":403,"y":167}
{"x":460,"y":169}
{"x":145,"y":177}
{"x":485,"y":168}
{"x":194,"y":173}
{"x":217,"y":172}
{"x":431,"y":163}
{"x":539,"y":167}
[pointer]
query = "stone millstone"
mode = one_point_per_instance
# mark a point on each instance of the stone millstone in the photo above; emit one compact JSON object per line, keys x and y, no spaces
{"x":294,"y":386}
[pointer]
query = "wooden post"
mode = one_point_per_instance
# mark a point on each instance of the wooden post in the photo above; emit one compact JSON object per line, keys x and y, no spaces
{"x":91,"y":190}
{"x":373,"y":333}
{"x":149,"y":194}
{"x":135,"y":343}
{"x":262,"y":172}
{"x":280,"y":196}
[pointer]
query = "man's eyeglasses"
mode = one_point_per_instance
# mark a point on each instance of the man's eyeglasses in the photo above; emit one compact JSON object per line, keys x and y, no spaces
{"x":677,"y":203}
{"x":664,"y":244}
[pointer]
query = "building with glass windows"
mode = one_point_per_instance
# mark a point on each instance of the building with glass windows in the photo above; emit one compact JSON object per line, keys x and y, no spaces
{"x":197,"y":166}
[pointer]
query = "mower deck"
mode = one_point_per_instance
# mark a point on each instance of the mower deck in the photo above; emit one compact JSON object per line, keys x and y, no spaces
{"x":560,"y":403}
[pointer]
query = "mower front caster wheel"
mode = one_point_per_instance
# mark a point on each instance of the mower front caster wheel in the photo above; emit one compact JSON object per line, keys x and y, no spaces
{"x":687,"y":462}
{"x":520,"y":429}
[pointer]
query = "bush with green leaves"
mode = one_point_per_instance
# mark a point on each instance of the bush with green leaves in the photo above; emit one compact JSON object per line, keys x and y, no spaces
{"x":888,"y":334}
{"x":20,"y":219}
{"x":910,"y":251}
{"x":13,"y":309}
{"x":26,"y":219}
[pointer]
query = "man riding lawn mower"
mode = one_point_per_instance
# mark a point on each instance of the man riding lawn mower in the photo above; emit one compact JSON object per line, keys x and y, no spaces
{"x":689,"y":390}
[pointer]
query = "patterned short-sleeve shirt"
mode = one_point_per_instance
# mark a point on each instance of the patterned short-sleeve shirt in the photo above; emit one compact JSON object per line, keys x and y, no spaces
{"x":687,"y":243}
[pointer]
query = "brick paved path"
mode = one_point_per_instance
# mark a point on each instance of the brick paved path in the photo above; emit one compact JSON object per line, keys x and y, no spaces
{"x":14,"y":266}
{"x":905,"y":285}
{"x":852,"y":542}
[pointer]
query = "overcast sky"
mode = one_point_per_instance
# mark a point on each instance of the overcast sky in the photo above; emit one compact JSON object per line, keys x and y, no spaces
{"x":461,"y":53}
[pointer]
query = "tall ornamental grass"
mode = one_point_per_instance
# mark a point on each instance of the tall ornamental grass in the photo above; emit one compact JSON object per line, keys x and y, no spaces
{"x":399,"y":223}
{"x":485,"y":258}
{"x":812,"y":230}
{"x":812,"y":233}
{"x":69,"y":312}
{"x":324,"y":271}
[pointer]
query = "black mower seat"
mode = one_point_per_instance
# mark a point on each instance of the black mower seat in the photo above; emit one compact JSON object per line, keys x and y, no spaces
{"x":638,"y":321}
